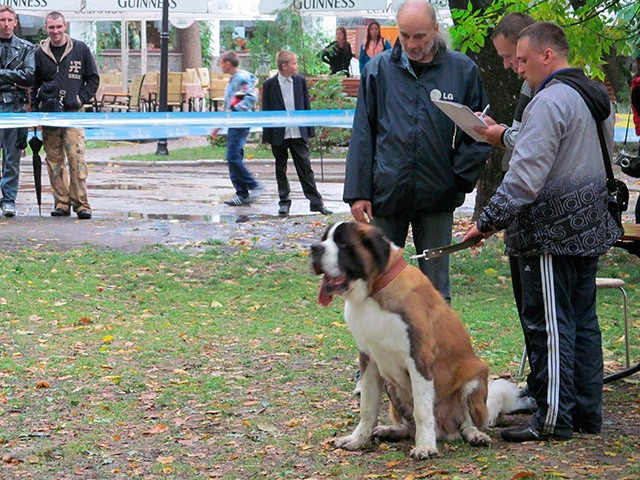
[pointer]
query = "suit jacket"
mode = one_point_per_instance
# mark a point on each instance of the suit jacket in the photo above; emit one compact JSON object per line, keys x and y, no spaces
{"x":272,"y":99}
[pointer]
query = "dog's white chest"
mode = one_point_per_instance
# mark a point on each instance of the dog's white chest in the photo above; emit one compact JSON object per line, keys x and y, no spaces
{"x":380,"y":334}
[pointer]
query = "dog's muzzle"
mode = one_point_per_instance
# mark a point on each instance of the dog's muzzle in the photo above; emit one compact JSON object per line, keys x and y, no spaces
{"x":330,"y":285}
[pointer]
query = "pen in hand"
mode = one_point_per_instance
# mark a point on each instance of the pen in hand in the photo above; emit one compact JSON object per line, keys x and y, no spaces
{"x":484,"y":112}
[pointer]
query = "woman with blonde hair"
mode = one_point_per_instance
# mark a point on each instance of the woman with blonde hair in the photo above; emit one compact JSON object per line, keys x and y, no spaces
{"x":373,"y":45}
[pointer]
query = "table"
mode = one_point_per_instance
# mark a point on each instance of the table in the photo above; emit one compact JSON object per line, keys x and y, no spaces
{"x":630,"y":239}
{"x":193,"y":94}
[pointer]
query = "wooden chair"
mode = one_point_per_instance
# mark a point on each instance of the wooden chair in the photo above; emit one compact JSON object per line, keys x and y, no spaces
{"x":205,"y":78}
{"x":111,"y":78}
{"x":149,"y":89}
{"x":217,"y":86}
{"x":175,"y":96}
{"x":131,"y":102}
{"x":190,"y":76}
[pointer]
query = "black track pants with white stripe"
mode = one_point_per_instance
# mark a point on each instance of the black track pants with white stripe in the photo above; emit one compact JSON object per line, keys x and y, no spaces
{"x":564,"y":343}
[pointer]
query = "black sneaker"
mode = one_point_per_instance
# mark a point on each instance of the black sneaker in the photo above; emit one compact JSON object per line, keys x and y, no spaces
{"x":60,"y":212}
{"x":528,"y":433}
{"x":84,"y":214}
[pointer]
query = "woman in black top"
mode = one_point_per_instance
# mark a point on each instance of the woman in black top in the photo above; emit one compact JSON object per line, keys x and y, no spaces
{"x":338,"y":53}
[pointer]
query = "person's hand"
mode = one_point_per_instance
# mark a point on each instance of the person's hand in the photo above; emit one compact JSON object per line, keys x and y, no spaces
{"x":487,"y":119}
{"x":474,"y":232}
{"x":215,"y":132}
{"x":361,"y":211}
{"x":491,"y":134}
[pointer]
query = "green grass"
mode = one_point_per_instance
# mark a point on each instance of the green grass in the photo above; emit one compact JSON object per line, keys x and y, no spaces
{"x":220,"y":364}
{"x":201,"y":153}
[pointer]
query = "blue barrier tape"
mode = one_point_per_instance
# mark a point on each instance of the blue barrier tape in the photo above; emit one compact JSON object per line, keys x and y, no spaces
{"x":154,"y":125}
{"x":325,"y":118}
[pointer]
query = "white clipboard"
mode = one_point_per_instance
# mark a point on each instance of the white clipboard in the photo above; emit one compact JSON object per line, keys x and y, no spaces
{"x":463,"y":117}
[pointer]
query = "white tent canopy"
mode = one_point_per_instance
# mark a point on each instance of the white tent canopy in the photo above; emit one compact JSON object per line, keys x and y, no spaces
{"x":182,"y":13}
{"x":137,"y":10}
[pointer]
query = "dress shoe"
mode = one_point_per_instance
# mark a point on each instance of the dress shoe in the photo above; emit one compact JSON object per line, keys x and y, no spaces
{"x":321,"y":209}
{"x":283,"y":210}
{"x":528,"y":433}
{"x":84,"y":214}
{"x":60,"y":212}
{"x":591,"y":430}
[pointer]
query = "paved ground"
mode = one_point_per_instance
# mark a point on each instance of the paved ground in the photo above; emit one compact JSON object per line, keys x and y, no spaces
{"x":136,"y":204}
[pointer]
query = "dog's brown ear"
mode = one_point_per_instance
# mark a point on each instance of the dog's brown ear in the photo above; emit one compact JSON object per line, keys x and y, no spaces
{"x":379,"y":247}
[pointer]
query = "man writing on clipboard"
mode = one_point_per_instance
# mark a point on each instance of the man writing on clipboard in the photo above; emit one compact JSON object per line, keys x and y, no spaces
{"x":408,"y":164}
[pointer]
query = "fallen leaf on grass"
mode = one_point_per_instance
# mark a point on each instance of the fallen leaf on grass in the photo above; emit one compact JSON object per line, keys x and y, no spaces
{"x":427,"y":474}
{"x":523,"y":475}
{"x":160,"y":428}
{"x":165,"y":460}
{"x":10,"y":460}
{"x":43,"y":384}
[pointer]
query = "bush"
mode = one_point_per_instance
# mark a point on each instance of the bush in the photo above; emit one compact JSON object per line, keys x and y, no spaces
{"x":327,"y":94}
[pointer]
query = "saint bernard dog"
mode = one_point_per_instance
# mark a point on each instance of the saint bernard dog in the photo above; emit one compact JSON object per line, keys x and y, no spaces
{"x":411,"y":344}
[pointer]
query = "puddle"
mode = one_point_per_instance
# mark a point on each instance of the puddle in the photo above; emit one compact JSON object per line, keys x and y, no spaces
{"x":192,"y":218}
{"x":119,"y":186}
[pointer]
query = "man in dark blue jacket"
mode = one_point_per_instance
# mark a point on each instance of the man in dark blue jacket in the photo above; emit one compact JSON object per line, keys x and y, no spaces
{"x":16,"y":73}
{"x":288,"y":91}
{"x":408,"y":164}
{"x":66,"y":78}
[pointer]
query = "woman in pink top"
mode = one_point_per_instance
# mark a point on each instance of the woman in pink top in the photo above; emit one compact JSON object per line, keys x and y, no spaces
{"x":373,"y":45}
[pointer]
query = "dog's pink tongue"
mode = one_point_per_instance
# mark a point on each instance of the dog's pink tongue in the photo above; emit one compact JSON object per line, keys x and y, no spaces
{"x":324,"y":298}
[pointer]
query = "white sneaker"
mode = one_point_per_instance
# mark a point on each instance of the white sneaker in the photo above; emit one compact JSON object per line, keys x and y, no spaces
{"x":8,"y":210}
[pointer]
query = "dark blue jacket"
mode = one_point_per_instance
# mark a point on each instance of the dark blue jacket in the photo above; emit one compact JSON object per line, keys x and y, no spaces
{"x":405,"y":155}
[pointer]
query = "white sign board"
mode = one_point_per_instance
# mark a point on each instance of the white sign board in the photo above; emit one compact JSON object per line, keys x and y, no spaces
{"x":233,"y":8}
{"x":47,"y":5}
{"x":323,"y":6}
{"x":182,"y":6}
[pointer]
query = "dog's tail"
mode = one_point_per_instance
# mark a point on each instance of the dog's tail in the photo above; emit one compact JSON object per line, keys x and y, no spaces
{"x":505,"y":397}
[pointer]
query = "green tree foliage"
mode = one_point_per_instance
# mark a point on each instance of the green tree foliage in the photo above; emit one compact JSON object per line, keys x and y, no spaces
{"x":594,"y":28}
{"x":598,"y":32}
{"x":291,"y":31}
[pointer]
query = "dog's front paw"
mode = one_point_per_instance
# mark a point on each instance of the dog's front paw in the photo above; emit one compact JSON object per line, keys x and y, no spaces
{"x":350,"y":442}
{"x":479,"y":439}
{"x":424,"y":452}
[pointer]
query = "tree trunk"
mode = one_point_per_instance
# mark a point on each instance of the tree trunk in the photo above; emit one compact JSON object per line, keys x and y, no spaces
{"x":617,"y":76}
{"x":503,"y":89}
{"x":190,"y":46}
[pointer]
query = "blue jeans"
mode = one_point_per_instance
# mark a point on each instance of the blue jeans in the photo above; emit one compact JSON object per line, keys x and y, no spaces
{"x":10,"y":160}
{"x":241,"y":178}
{"x":430,"y":230}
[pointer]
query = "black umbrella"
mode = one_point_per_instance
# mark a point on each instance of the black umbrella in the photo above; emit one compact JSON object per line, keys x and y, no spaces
{"x":36,"y":144}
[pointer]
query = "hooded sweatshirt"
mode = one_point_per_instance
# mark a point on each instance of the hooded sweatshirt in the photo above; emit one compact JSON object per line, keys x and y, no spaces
{"x":553,"y":199}
{"x":70,"y":82}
